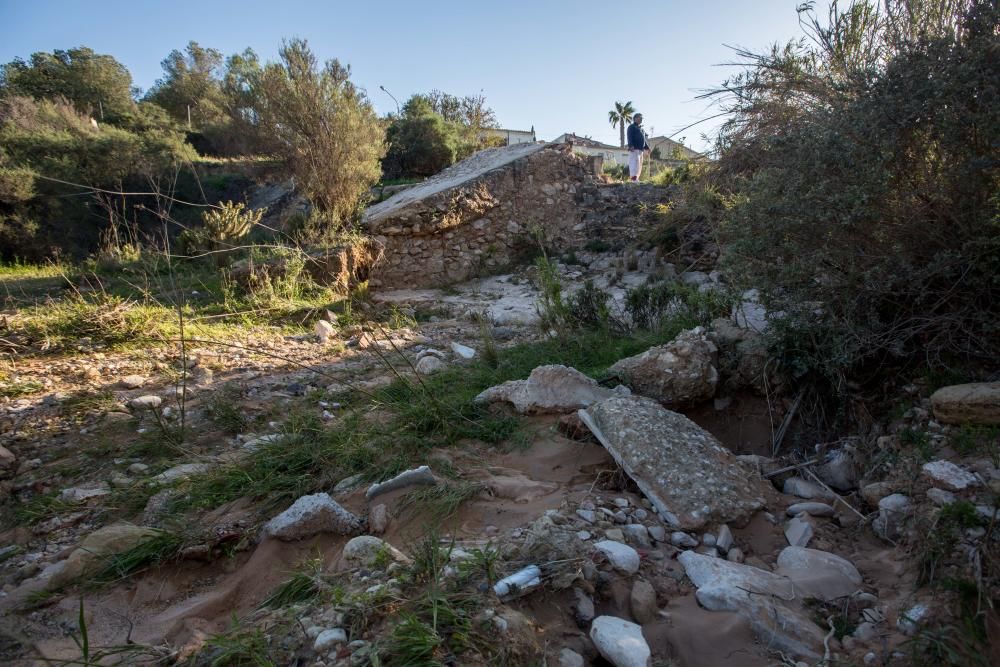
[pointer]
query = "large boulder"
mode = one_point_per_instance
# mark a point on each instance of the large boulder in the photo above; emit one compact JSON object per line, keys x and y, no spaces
{"x":975,"y":403}
{"x":768,"y":601}
{"x":689,"y":477}
{"x":678,"y":373}
{"x":549,"y":389}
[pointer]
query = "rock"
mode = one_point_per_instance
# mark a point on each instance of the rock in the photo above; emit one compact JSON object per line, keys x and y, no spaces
{"x":368,"y":551}
{"x":133,"y":381}
{"x":349,"y":484}
{"x":724,"y":540}
{"x":590,"y":516}
{"x":421,"y":476}
{"x":327,"y":639}
{"x":79,"y":494}
{"x":570,"y":658}
{"x":682,"y":469}
{"x":657,"y":533}
{"x":7,"y":458}
{"x":621,"y":556}
{"x":324,"y":331}
{"x":865,"y":632}
{"x":750,"y":313}
{"x":463,"y":351}
{"x":96,"y":548}
{"x":682,"y":540}
{"x":796,"y":486}
{"x":910,"y":620}
{"x":614,"y":534}
{"x":818,"y":574}
{"x":708,"y":539}
{"x":839,"y":470}
{"x":137,"y":469}
{"x":893,"y":511}
{"x":681,"y":372}
{"x":950,"y":476}
{"x":873,"y":493}
{"x":549,"y":389}
{"x":145,"y":402}
{"x":798,"y":531}
{"x":309,"y":515}
{"x":429,"y":365}
{"x":735,"y":555}
{"x":766,"y":600}
{"x":643,"y":602}
{"x":583,"y":607}
{"x":637,"y":533}
{"x":812,"y":509}
{"x":975,"y":403}
{"x":620,"y":642}
{"x":182,"y":471}
{"x":378,"y":520}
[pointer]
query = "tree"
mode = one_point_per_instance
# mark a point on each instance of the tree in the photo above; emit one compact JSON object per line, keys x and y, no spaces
{"x":421,"y":142}
{"x":191,"y":85}
{"x":93,"y":83}
{"x":621,"y":115}
{"x":322,"y":127}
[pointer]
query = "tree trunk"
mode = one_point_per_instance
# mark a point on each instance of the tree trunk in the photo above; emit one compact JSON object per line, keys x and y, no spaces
{"x":621,"y":127}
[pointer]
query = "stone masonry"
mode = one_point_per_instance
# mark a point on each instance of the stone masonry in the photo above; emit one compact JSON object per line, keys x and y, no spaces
{"x":480,"y":215}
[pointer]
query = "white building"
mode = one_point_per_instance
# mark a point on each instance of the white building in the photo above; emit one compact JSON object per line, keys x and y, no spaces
{"x":611,"y":154}
{"x":512,"y":137}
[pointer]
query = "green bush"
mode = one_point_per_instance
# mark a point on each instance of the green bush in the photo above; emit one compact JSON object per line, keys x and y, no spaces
{"x":866,"y":180}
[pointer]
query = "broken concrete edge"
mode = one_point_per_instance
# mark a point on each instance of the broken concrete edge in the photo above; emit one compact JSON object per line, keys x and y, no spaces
{"x":646,"y":489}
{"x":416,"y":476}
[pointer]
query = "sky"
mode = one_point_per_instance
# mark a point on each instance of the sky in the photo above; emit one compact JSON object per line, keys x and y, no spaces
{"x":557,"y":66}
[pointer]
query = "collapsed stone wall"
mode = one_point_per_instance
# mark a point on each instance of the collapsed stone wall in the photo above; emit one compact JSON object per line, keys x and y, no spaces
{"x":482,"y":214}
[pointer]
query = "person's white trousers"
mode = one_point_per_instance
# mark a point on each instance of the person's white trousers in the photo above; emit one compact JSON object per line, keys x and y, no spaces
{"x":634,"y":163}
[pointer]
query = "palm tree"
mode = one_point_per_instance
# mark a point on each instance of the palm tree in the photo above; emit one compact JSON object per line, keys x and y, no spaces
{"x":620,"y":116}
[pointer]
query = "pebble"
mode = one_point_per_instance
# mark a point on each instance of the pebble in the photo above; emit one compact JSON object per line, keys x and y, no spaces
{"x":621,"y":502}
{"x":620,"y":642}
{"x":583,"y":535}
{"x":621,"y":556}
{"x":682,"y":540}
{"x":146,"y":402}
{"x":587,"y":515}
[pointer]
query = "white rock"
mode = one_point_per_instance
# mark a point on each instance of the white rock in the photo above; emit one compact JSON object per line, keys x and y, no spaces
{"x":570,"y":658}
{"x":678,"y":373}
{"x":79,"y":494}
{"x":146,"y":402}
{"x":549,"y":389}
{"x":327,"y":639}
{"x":463,"y":351}
{"x":940,"y":497}
{"x":682,"y":540}
{"x":421,"y":476}
{"x":798,"y":531}
{"x":621,"y":556}
{"x":893,"y":511}
{"x":796,"y":486}
{"x":812,"y":509}
{"x":309,"y":515}
{"x":909,"y":621}
{"x":429,"y":365}
{"x":137,"y":469}
{"x":819,"y":574}
{"x":620,"y":642}
{"x":724,"y":540}
{"x":324,"y":331}
{"x":950,"y":476}
{"x":368,"y":550}
{"x":133,"y":381}
{"x":182,"y":471}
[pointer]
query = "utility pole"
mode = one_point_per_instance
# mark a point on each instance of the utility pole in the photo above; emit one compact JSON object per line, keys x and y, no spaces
{"x":189,"y":117}
{"x":382,"y":88}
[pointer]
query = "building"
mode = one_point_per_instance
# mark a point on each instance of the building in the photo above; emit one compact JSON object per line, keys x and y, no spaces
{"x":512,"y":137}
{"x":669,"y":150}
{"x":611,"y":154}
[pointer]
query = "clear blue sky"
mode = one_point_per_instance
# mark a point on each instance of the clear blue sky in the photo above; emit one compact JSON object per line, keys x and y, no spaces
{"x":559,"y":66}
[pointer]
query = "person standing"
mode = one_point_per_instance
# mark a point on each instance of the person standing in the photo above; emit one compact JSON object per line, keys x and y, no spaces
{"x":637,"y":147}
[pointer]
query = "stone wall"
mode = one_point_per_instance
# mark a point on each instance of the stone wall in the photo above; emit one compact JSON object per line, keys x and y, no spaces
{"x":481,"y":215}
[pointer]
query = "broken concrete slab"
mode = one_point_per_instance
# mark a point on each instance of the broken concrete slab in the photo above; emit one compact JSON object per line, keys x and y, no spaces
{"x":973,"y":403}
{"x":768,"y":601}
{"x":549,"y":389}
{"x":678,"y":373}
{"x":421,"y":476}
{"x":690,"y":478}
{"x":309,"y":515}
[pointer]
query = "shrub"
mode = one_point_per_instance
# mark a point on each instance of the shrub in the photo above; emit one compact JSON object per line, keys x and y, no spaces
{"x":865,"y":166}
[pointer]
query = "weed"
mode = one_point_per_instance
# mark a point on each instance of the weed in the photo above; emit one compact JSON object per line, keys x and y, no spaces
{"x":154,"y":551}
{"x":943,"y":535}
{"x":239,"y":647}
{"x":18,"y":388}
{"x":441,"y":501}
{"x":224,"y":410}
{"x":304,"y":585}
{"x":920,"y":442}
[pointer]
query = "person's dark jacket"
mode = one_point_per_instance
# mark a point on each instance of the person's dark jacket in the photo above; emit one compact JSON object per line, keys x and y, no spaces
{"x":636,"y":138}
